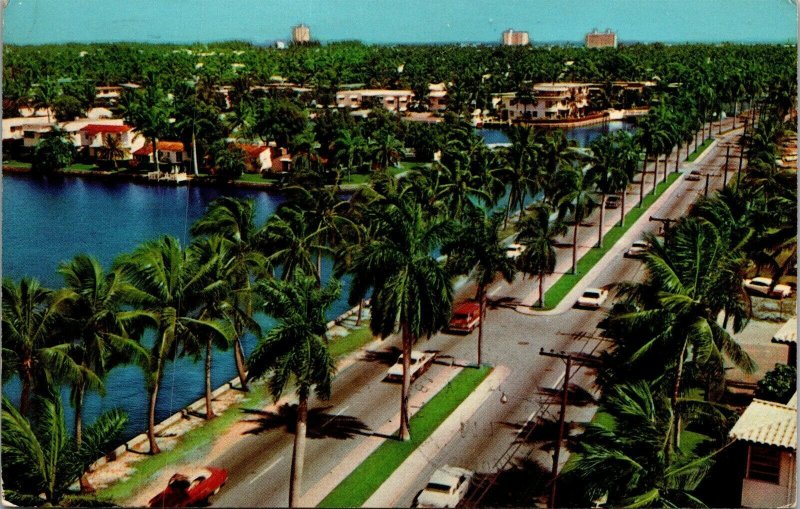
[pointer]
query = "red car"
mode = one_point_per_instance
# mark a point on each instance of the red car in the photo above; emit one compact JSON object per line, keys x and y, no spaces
{"x":466,"y":316}
{"x":191,"y":490}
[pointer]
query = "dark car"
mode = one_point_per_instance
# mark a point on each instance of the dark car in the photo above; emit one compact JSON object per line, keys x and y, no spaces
{"x":694,"y":175}
{"x":613,"y":202}
{"x":191,"y":490}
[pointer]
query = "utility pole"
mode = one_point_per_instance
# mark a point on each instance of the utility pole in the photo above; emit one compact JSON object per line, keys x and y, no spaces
{"x":569,"y":358}
{"x":666,"y":221}
{"x":705,"y":192}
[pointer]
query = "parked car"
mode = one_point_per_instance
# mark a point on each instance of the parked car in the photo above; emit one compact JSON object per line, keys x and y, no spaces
{"x":637,"y":249}
{"x":762,"y":286}
{"x":191,"y":489}
{"x":613,"y":202}
{"x":694,"y":175}
{"x":592,"y":298}
{"x":447,"y":487}
{"x":514,"y":250}
{"x":466,"y":317}
{"x":420,"y":362}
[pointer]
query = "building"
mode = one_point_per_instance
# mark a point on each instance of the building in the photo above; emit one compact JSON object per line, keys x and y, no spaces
{"x":94,"y":139}
{"x":301,"y":34}
{"x":437,"y":97}
{"x":768,"y":430}
{"x":548,"y":101}
{"x":367,"y":98}
{"x":258,"y":158}
{"x":170,"y":153}
{"x":787,"y":335}
{"x":607,"y":39}
{"x":512,"y":38}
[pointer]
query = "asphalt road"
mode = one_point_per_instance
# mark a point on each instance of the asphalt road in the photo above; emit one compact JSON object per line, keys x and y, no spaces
{"x":361,"y":402}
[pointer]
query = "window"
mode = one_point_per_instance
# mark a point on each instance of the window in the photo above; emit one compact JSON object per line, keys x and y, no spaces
{"x":764,"y":464}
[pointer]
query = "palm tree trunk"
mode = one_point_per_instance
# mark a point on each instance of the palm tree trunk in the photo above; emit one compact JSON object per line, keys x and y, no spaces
{"x":622,"y":210}
{"x":79,"y":413}
{"x":508,"y":211}
{"x":155,"y":155}
{"x":405,"y":431}
{"x":319,"y":266}
{"x":676,"y":424}
{"x":677,"y":157}
{"x":575,"y":246}
{"x":299,"y":452}
{"x":600,"y":227}
{"x":25,"y":395}
{"x":194,"y":153}
{"x":482,"y":301}
{"x":541,"y":290}
{"x":151,"y":419}
{"x":209,"y":409}
{"x":358,"y":315}
{"x":641,"y":183}
{"x":735,"y":104}
{"x":238,"y":356}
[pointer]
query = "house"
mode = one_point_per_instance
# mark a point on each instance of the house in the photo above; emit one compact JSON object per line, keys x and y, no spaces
{"x":33,"y":133}
{"x":258,"y":158}
{"x":170,"y":153}
{"x":365,"y":98}
{"x":607,"y":39}
{"x":768,"y":430}
{"x":281,"y":160}
{"x":437,"y":97}
{"x":547,"y":101}
{"x":787,"y":335}
{"x":94,"y":139}
{"x":515,"y":38}
{"x":107,"y":95}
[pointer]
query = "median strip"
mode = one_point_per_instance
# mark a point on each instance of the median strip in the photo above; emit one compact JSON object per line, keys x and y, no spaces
{"x":356,"y":488}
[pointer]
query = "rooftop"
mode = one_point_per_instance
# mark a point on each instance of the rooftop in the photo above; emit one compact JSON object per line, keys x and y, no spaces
{"x":163,"y":146}
{"x":788,"y":333}
{"x":93,"y":129}
{"x":768,"y":423}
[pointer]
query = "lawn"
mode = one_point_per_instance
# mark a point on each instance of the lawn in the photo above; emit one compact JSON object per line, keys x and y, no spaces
{"x":371,"y":474}
{"x":566,"y":282}
{"x":699,"y":150}
{"x":16,"y":164}
{"x":257,"y":178}
{"x":353,"y":341}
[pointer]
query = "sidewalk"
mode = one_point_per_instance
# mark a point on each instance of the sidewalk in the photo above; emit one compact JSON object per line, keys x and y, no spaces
{"x":392,"y":489}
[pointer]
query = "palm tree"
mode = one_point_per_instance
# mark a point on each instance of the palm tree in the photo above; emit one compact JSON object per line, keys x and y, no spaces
{"x":520,"y":159}
{"x":574,"y":197}
{"x":93,"y":305}
{"x":45,"y":94}
{"x":538,"y":234}
{"x":41,"y":461}
{"x":234,"y":220}
{"x":607,"y":173}
{"x":149,"y":110}
{"x":163,"y":277}
{"x":477,"y":250}
{"x":291,"y":241}
{"x":113,"y":148}
{"x":33,"y":349}
{"x":411,"y":290}
{"x":296,"y":348}
{"x":455,"y":186}
{"x":386,"y":149}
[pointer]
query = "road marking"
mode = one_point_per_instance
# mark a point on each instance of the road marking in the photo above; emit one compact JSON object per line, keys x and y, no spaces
{"x":266,"y":470}
{"x":335,"y":416}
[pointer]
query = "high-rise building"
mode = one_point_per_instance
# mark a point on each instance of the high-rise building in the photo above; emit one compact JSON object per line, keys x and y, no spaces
{"x":301,"y":33}
{"x":512,"y":38}
{"x":607,"y":39}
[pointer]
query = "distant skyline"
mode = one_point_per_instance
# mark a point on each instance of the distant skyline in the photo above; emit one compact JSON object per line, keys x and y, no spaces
{"x":397,"y":21}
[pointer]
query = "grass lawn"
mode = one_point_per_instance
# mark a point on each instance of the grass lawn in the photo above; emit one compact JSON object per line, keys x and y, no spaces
{"x":353,"y":341}
{"x":699,"y":150}
{"x":368,"y":477}
{"x":566,"y":282}
{"x":82,"y":167}
{"x":16,"y":164}
{"x":256,"y":177}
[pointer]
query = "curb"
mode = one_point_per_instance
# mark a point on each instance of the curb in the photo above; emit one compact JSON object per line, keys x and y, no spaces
{"x":388,"y":493}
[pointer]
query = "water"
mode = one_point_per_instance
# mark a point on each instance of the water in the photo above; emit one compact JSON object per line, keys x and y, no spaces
{"x":52,"y":219}
{"x":392,"y":21}
{"x":582,"y":135}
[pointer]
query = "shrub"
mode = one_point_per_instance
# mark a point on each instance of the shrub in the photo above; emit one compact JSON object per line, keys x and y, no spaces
{"x":779,"y":384}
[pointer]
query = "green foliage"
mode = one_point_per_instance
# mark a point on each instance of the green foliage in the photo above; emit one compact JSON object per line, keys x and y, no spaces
{"x":779,"y":384}
{"x":228,"y":161}
{"x":68,"y":107}
{"x":52,"y":153}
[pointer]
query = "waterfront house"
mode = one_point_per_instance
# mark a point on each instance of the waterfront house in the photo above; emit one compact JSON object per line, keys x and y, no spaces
{"x":549,"y":101}
{"x":258,"y":158}
{"x":366,"y":98}
{"x":33,"y":133}
{"x":94,"y":138}
{"x":281,"y":160}
{"x":437,"y":97}
{"x":768,"y":433}
{"x":170,"y":153}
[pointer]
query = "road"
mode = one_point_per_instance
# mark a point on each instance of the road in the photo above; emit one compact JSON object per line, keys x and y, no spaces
{"x":258,"y":461}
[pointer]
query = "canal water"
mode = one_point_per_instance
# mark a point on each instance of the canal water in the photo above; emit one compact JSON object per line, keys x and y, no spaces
{"x":52,"y":219}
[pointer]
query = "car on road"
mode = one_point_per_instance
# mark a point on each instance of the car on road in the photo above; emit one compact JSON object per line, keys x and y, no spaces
{"x":694,"y":175}
{"x":466,"y":317}
{"x":420,"y":362}
{"x":592,"y":298}
{"x":514,"y":250}
{"x":447,"y":487}
{"x":192,"y":488}
{"x":613,"y":202}
{"x":762,"y":286}
{"x":638,"y":249}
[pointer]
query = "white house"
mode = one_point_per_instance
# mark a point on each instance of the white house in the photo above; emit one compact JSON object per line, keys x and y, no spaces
{"x":549,"y":101}
{"x":437,"y":97}
{"x":259,"y":157}
{"x":170,"y":153}
{"x":769,"y":431}
{"x":93,"y":138}
{"x":392,"y":100}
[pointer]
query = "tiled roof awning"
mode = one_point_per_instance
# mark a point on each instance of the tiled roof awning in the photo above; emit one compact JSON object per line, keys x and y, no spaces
{"x":768,"y":423}
{"x":93,"y":129}
{"x":788,"y":333}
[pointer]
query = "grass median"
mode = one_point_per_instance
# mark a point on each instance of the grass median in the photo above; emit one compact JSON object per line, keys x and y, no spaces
{"x":566,"y":282}
{"x":356,"y":488}
{"x":699,"y":150}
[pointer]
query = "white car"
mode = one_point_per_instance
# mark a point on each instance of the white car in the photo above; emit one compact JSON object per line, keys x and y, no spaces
{"x":420,"y":362}
{"x":514,"y":250}
{"x":592,"y":298}
{"x":694,"y":175}
{"x":637,"y":249}
{"x":447,"y":487}
{"x":762,"y":284}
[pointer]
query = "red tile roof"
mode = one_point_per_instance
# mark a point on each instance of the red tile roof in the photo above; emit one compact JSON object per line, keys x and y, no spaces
{"x":252,"y":150}
{"x":163,"y":146}
{"x":93,"y":129}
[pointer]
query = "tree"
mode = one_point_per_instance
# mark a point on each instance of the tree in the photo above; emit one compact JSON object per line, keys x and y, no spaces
{"x":164,"y":277}
{"x":539,"y":236}
{"x":411,"y":290}
{"x":279,"y":120}
{"x":99,"y":338}
{"x":149,"y":110}
{"x":41,"y":461}
{"x":33,"y":349}
{"x":477,"y":250}
{"x":113,"y":150}
{"x":53,"y":153}
{"x":779,"y":384}
{"x":574,"y":197}
{"x":296,"y":349}
{"x":228,"y":161}
{"x":67,"y":108}
{"x":291,"y":241}
{"x":607,"y":173}
{"x":234,"y":220}
{"x":45,"y":94}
